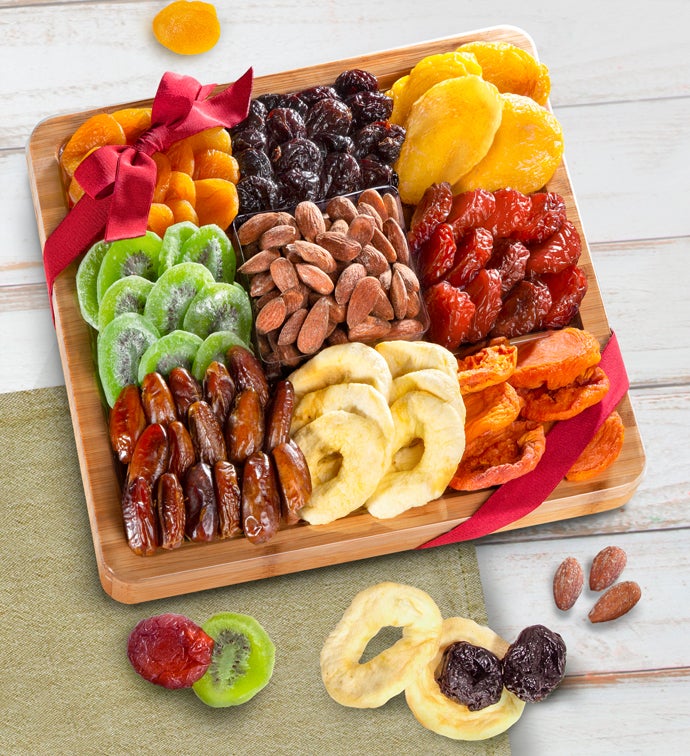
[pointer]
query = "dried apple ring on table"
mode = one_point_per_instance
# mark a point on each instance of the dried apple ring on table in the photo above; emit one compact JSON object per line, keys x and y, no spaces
{"x":548,"y":405}
{"x":371,"y":684}
{"x":488,"y":366}
{"x":443,"y":715}
{"x":601,"y":452}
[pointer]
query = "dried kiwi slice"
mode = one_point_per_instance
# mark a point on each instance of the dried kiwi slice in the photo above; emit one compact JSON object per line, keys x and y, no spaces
{"x":172,"y":293}
{"x":211,"y":247}
{"x":174,"y":239}
{"x":120,"y":347}
{"x":175,"y":349}
{"x":87,"y":275}
{"x":214,"y":348}
{"x":219,"y":307}
{"x":126,"y":295}
{"x":241,"y":663}
{"x":129,"y":257}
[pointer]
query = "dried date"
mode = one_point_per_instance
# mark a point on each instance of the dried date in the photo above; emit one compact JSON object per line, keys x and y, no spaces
{"x":201,"y":508}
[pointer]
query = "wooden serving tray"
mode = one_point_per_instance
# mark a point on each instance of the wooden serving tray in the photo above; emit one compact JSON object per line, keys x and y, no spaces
{"x":131,"y":579}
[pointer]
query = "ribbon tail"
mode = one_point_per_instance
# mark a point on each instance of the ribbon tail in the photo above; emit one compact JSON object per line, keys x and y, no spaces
{"x":231,"y":105}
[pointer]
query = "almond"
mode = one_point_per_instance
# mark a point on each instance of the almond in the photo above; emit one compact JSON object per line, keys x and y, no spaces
{"x":409,"y":276}
{"x":291,"y":328}
{"x":263,"y":300}
{"x":314,"y":329}
{"x":372,"y":198}
{"x":362,"y":300}
{"x":617,"y":601}
{"x":568,"y":582}
{"x":338,"y":336}
{"x":261,"y":283}
{"x":398,"y":295}
{"x":309,"y":220}
{"x":284,"y":274}
{"x":341,"y":207}
{"x":278,"y":236}
{"x":315,"y":278}
{"x":383,"y":308}
{"x":347,"y":282}
{"x":392,"y":207}
{"x":365,"y":208}
{"x":361,"y":229}
{"x":295,"y":298}
{"x":259,"y":263}
{"x":373,"y":260}
{"x":342,"y":247}
{"x":340,"y":226}
{"x":414,"y":304}
{"x":271,"y":316}
{"x":316,"y":255}
{"x":396,"y":236}
{"x":408,"y":329}
{"x":607,"y":567}
{"x":370,"y":329}
{"x":251,"y":229}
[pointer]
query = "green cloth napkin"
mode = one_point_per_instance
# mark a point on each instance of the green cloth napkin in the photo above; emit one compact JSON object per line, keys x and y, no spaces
{"x":67,"y":686}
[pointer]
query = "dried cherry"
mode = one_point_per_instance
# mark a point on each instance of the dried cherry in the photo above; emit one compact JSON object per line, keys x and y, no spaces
{"x":558,"y":251}
{"x":567,"y":289}
{"x":436,"y":255}
{"x":509,"y":258}
{"x":534,"y":664}
{"x":269,"y":101}
{"x":314,"y":94}
{"x":294,"y":102}
{"x":370,"y":106}
{"x":432,"y":209}
{"x":330,"y":116}
{"x":473,"y":252}
{"x":328,"y":142}
{"x":471,"y":209}
{"x":470,"y":675}
{"x":485,"y":292}
{"x":247,"y":137}
{"x":547,"y":214}
{"x":257,"y":111}
{"x":340,"y":174}
{"x":283,"y":124}
{"x":451,"y":313}
{"x":355,"y":80}
{"x":510,"y":213}
{"x":523,"y":310}
{"x":170,"y":650}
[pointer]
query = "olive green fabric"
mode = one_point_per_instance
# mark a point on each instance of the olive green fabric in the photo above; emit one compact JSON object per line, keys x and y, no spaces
{"x":67,"y":686}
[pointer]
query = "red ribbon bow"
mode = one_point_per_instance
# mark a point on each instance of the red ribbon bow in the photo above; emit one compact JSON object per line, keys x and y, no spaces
{"x":119,"y":180}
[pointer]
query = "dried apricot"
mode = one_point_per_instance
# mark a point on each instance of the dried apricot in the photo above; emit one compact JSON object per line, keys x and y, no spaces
{"x":216,"y":164}
{"x":97,"y":131}
{"x":488,"y":366}
{"x":547,"y":405}
{"x":490,"y":410}
{"x":216,"y":201}
{"x":215,"y":138}
{"x":187,"y":27}
{"x":181,"y":187}
{"x":602,"y":451}
{"x":134,"y":122}
{"x":181,"y":157}
{"x":74,"y":192}
{"x":183,"y":210}
{"x":160,"y":217}
{"x":163,"y":172}
{"x":495,"y":458}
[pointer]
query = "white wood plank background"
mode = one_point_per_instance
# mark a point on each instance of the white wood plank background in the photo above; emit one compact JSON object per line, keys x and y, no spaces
{"x":621,"y":87}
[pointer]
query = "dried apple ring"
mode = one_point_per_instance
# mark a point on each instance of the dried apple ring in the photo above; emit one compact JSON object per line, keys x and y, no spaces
{"x":441,"y":714}
{"x":563,"y":403}
{"x":488,"y":366}
{"x":388,"y":604}
{"x":602,"y":451}
{"x":491,"y":409}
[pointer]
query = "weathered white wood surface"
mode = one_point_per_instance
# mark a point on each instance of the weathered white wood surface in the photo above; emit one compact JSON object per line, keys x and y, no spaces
{"x":621,"y":87}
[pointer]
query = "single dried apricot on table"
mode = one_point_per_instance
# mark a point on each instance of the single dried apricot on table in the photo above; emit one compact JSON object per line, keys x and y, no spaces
{"x":98,"y":131}
{"x":187,"y":27}
{"x":602,"y":451}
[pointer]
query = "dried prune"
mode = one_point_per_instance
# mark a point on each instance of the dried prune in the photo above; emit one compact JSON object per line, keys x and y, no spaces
{"x":297,"y":153}
{"x":254,"y":163}
{"x":328,"y":142}
{"x":169,"y":650}
{"x":269,"y":101}
{"x":379,"y":138}
{"x":283,"y":124}
{"x":250,"y":137}
{"x":257,"y":193}
{"x":367,"y":107}
{"x":355,"y":80}
{"x":257,"y":109}
{"x":297,"y":185}
{"x":509,"y":258}
{"x":470,"y":675}
{"x":534,"y":665}
{"x":376,"y":173}
{"x":523,"y":310}
{"x":294,"y":102}
{"x":331,"y":116}
{"x":314,"y":94}
{"x":340,"y":174}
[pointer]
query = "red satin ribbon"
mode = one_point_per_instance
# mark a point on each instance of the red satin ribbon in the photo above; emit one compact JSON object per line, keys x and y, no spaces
{"x":564,"y":444}
{"x":119,"y":180}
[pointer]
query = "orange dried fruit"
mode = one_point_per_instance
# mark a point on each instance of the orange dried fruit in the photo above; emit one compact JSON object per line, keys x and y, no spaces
{"x":134,"y":122}
{"x":511,"y":69}
{"x":181,"y":157}
{"x":74,"y":192}
{"x":216,"y":164}
{"x":495,"y":458}
{"x":486,"y":367}
{"x":215,"y":138}
{"x":548,"y":405}
{"x":524,"y":155}
{"x":556,"y":359}
{"x":181,"y":187}
{"x":216,"y":202}
{"x":183,"y":210}
{"x":97,"y":131}
{"x":160,"y":217}
{"x":187,"y":27}
{"x":601,"y":452}
{"x":163,"y":173}
{"x":490,"y":410}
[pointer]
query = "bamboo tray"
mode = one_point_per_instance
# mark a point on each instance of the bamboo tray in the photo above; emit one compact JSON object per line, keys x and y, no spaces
{"x":131,"y":579}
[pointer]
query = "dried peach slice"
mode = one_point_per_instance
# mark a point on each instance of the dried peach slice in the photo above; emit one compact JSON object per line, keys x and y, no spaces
{"x":187,"y":27}
{"x":511,"y":69}
{"x":547,"y":405}
{"x":134,"y":122}
{"x":495,"y":458}
{"x":491,"y":409}
{"x":488,"y":366}
{"x":525,"y":152}
{"x":216,"y":164}
{"x":601,"y":452}
{"x":216,"y":201}
{"x":160,"y":217}
{"x":98,"y":131}
{"x":181,"y":187}
{"x":556,"y":358}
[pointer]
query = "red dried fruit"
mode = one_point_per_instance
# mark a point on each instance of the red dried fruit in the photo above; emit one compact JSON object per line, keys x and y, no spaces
{"x":511,"y":212}
{"x":432,"y":209}
{"x":470,"y":210}
{"x":523,"y":310}
{"x":560,"y":250}
{"x":169,"y":650}
{"x":567,"y":288}
{"x":485,"y":292}
{"x":546,"y":216}
{"x":473,"y":252}
{"x":451,"y":313}
{"x":437,"y":254}
{"x":509,"y":258}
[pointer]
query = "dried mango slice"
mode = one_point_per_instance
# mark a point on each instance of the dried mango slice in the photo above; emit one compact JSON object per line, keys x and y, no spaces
{"x":511,"y":69}
{"x":488,"y":366}
{"x":134,"y":122}
{"x":429,"y":71}
{"x":449,"y":130}
{"x":525,"y":152}
{"x":187,"y":27}
{"x":602,"y":451}
{"x":97,"y":131}
{"x":495,"y":458}
{"x":546,"y":405}
{"x":555,"y":359}
{"x":491,"y":410}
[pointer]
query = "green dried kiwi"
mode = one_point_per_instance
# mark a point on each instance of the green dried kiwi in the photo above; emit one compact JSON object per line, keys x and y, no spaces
{"x":214,"y":348}
{"x":126,"y":295}
{"x":86,"y":278}
{"x":241,"y":663}
{"x":175,"y":349}
{"x":120,"y":347}
{"x":173,"y":240}
{"x":220,"y":307}
{"x":211,"y":247}
{"x":129,"y":257}
{"x":172,"y":293}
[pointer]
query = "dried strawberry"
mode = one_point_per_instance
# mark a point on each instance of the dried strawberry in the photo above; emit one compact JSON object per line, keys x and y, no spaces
{"x":473,"y":252}
{"x":451,"y":313}
{"x":509,"y":258}
{"x":546,"y":216}
{"x":471,"y":209}
{"x":523,"y":310}
{"x":432,"y":209}
{"x":511,"y":212}
{"x":485,"y":292}
{"x":436,"y":255}
{"x":567,"y":289}
{"x":558,"y":251}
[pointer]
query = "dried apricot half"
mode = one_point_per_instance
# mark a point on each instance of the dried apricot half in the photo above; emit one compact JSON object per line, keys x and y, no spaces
{"x":602,"y":451}
{"x":98,"y":131}
{"x":492,"y":409}
{"x":134,"y":122}
{"x":488,"y":366}
{"x":187,"y":27}
{"x":216,"y":201}
{"x":546,"y":405}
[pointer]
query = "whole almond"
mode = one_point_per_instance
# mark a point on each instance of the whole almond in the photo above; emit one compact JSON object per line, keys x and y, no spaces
{"x":261,"y":283}
{"x":309,"y":220}
{"x":382,"y":307}
{"x":398,"y":295}
{"x":259,"y":263}
{"x":383,"y":244}
{"x":372,"y":198}
{"x":286,"y":219}
{"x":338,"y":336}
{"x":315,"y":278}
{"x":316,"y":255}
{"x":295,"y":298}
{"x":339,"y":226}
{"x":291,"y":328}
{"x":607,"y":567}
{"x":364,"y":208}
{"x":342,"y":247}
{"x":414,"y":304}
{"x":396,"y":236}
{"x":392,"y":207}
{"x":408,"y":329}
{"x":409,"y":276}
{"x":568,"y":582}
{"x":385,"y":279}
{"x":617,"y":601}
{"x":373,"y":260}
{"x":347,"y":282}
{"x":277,"y":236}
{"x":313,"y":331}
{"x":263,"y":300}
{"x":362,"y":300}
{"x":336,"y":312}
{"x":252,"y":228}
{"x":361,"y":229}
{"x":370,"y":329}
{"x":284,"y":274}
{"x":341,"y":207}
{"x":271,"y":316}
